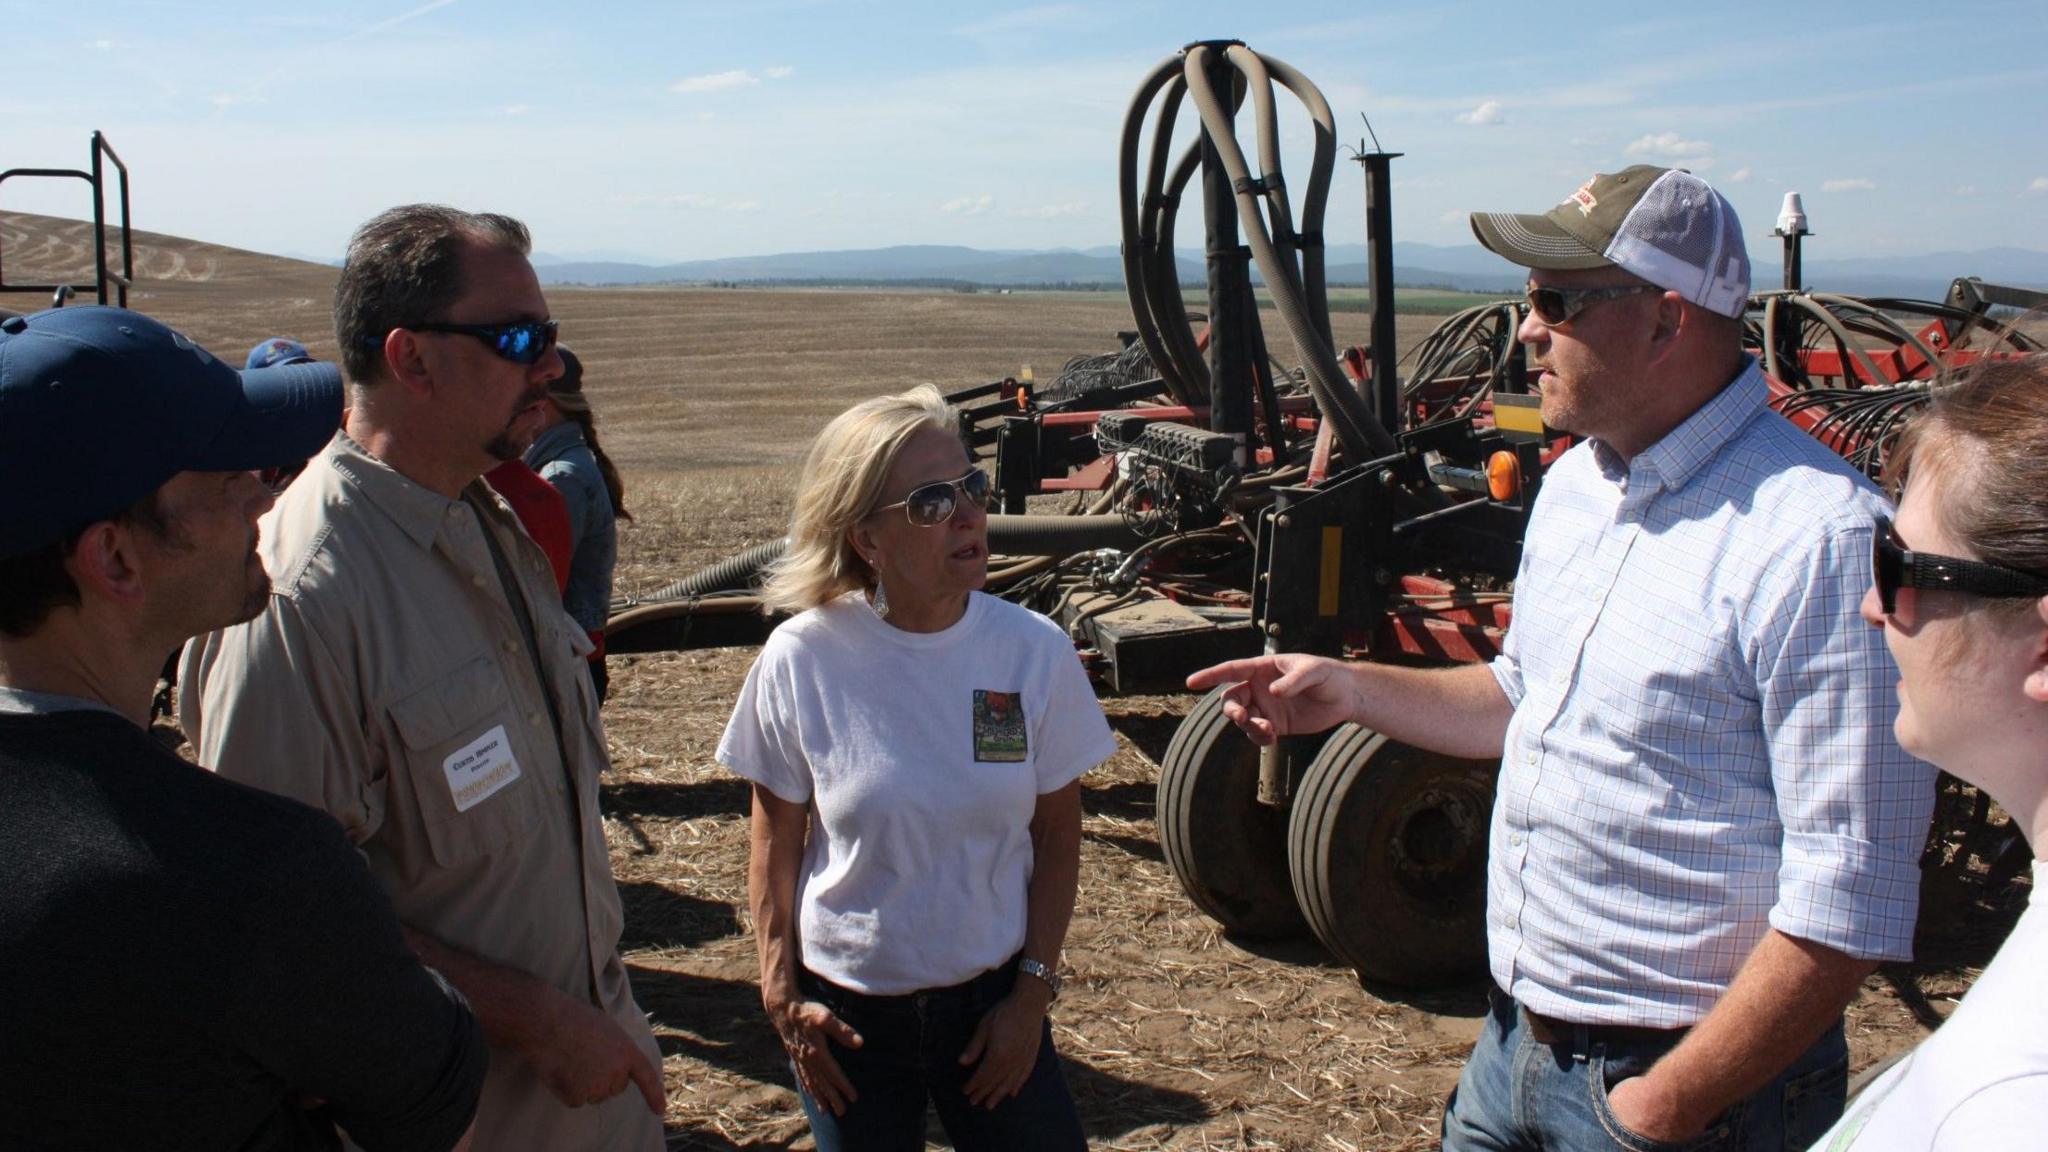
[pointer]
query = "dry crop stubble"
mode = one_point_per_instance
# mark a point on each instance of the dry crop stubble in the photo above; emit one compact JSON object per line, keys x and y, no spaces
{"x":1177,"y":1036}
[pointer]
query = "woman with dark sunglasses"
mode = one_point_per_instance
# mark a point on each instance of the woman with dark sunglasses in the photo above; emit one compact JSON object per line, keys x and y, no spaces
{"x":1960,"y":587}
{"x":916,"y":748}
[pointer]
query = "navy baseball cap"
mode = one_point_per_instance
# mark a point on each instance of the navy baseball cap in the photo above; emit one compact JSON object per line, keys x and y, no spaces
{"x":99,"y":407}
{"x":277,"y":350}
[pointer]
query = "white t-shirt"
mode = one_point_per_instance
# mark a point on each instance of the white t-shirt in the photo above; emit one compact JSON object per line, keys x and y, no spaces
{"x":922,"y":756}
{"x":1981,"y":1081}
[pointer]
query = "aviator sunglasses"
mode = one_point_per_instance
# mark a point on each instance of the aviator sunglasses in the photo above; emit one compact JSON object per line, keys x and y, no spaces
{"x":1556,"y":306}
{"x":521,"y":342}
{"x":1894,"y":566}
{"x":934,"y":504}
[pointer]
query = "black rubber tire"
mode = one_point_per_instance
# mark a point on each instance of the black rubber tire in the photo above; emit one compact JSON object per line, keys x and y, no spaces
{"x":1386,"y":844}
{"x":1228,"y":851}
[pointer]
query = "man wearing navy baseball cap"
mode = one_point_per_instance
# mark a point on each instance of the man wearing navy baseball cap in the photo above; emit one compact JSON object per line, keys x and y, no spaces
{"x":188,"y":962}
{"x":278,"y":350}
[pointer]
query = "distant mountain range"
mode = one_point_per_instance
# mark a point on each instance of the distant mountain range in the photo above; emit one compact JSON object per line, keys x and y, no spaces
{"x":1466,"y":267}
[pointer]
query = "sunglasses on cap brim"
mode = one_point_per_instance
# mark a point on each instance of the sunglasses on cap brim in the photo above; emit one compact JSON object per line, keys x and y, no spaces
{"x":1894,"y":566}
{"x":934,"y":504}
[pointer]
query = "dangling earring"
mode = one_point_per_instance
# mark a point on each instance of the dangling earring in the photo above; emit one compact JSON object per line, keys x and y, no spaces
{"x":879,"y":601}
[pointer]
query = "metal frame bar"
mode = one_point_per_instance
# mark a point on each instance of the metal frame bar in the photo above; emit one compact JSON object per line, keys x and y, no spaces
{"x":95,"y":178}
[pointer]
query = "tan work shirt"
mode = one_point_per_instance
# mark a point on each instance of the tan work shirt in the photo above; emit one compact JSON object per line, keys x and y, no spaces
{"x":389,"y":684}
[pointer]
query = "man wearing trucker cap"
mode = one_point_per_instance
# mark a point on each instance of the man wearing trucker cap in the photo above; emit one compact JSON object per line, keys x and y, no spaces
{"x":189,"y":963}
{"x":1704,"y":835}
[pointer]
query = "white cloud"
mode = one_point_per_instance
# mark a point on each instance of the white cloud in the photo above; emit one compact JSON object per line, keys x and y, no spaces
{"x":1669,"y":146}
{"x":401,"y":18}
{"x":730,"y":79}
{"x":2039,"y":186}
{"x":1739,"y":175}
{"x":716,"y":81}
{"x":1009,"y":26}
{"x":1489,"y":112}
{"x":1966,"y":190}
{"x":1053,"y":211}
{"x":969,"y":205}
{"x":1853,"y":184}
{"x":225,"y":100}
{"x":517,"y":109}
{"x":103,"y":45}
{"x":1454,"y":216}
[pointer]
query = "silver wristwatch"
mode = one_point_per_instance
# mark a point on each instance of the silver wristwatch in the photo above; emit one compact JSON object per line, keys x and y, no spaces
{"x":1040,"y":972}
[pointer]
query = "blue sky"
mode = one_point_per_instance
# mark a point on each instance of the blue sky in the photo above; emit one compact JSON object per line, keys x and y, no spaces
{"x":685,"y":130}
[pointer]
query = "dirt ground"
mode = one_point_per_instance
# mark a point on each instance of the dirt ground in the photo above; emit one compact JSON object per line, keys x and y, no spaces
{"x":1175,"y":1035}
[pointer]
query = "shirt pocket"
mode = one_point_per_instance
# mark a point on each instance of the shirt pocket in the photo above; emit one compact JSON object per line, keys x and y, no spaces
{"x":450,"y":722}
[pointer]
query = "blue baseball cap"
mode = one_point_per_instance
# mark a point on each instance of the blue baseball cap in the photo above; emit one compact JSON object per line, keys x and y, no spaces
{"x":99,"y":407}
{"x":277,"y":350}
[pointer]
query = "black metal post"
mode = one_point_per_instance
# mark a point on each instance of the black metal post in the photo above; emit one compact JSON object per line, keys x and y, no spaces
{"x":1379,"y":245}
{"x":99,"y":141}
{"x":1231,"y":308}
{"x":99,"y":222}
{"x":1792,"y":227}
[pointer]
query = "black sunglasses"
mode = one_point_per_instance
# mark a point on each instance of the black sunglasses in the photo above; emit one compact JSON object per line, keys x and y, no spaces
{"x":1555,"y":306}
{"x":521,"y":342}
{"x":1894,"y":566}
{"x":933,"y":504}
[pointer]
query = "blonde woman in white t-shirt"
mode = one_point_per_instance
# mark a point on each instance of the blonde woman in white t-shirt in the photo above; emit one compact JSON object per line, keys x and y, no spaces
{"x":1961,"y":591}
{"x":915,"y":748}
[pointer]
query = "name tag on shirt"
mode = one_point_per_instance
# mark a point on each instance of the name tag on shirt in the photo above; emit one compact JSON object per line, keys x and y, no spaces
{"x":999,"y":727}
{"x":478,"y":770}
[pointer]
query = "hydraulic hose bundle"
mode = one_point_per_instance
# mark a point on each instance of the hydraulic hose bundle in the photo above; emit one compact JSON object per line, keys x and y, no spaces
{"x":1290,"y":261}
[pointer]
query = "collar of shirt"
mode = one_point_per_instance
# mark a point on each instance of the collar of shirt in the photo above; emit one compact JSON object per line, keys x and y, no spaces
{"x":553,"y":443}
{"x":1672,"y":462}
{"x":417,"y":509}
{"x":24,"y":702}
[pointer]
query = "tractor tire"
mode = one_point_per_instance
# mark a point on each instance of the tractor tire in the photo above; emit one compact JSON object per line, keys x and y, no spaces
{"x":1386,"y":845}
{"x":1228,"y":851}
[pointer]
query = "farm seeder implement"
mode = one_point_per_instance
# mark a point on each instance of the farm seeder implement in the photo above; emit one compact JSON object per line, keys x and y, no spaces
{"x":1219,"y":504}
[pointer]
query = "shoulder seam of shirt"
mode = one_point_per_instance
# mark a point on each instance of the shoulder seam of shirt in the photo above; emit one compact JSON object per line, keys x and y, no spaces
{"x":286,"y":584}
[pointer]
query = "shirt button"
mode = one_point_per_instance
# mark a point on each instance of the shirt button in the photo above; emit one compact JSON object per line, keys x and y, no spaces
{"x":1515,"y":839}
{"x":477,"y":579}
{"x":1514,"y":922}
{"x":536,"y":719}
{"x":508,"y":646}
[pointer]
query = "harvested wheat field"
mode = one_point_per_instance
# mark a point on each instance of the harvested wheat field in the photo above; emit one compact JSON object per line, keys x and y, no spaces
{"x":1175,"y":1036}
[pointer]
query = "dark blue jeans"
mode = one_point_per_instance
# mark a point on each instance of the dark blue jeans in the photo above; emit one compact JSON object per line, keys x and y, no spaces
{"x":910,"y":1057}
{"x":1517,"y":1093}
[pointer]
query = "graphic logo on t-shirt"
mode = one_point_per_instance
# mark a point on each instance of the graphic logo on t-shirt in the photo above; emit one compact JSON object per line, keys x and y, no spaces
{"x":999,"y":727}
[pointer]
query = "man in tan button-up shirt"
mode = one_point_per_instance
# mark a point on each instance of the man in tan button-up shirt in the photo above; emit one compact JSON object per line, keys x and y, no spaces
{"x":415,"y":676}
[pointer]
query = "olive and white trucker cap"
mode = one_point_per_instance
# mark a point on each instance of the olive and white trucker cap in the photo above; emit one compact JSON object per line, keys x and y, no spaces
{"x":1665,"y":225}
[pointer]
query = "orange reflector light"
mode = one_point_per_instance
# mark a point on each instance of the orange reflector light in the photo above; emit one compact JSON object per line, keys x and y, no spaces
{"x":1503,"y":476}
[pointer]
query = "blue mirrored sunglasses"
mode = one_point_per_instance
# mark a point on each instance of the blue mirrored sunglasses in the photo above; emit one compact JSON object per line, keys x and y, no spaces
{"x":521,"y":342}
